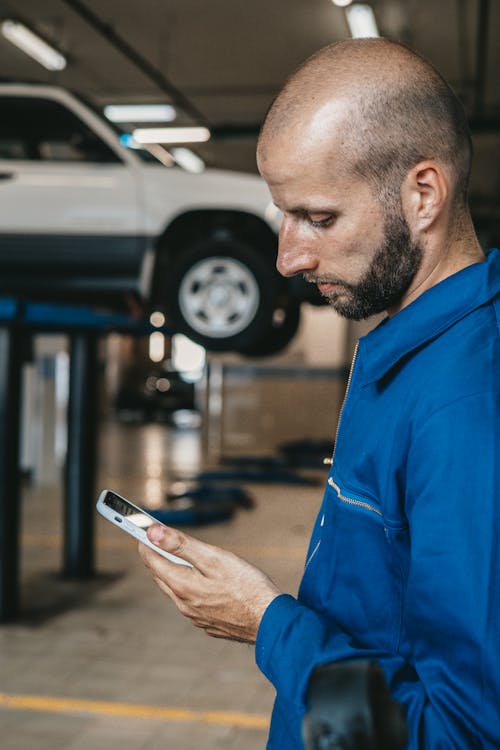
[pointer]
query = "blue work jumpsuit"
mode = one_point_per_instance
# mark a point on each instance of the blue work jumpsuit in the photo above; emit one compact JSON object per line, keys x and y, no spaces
{"x":404,"y":560}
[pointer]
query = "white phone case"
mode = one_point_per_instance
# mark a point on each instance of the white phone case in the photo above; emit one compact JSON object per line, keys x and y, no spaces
{"x":118,"y":519}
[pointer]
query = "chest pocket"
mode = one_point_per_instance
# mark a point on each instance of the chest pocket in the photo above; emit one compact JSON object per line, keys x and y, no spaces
{"x":356,"y":568}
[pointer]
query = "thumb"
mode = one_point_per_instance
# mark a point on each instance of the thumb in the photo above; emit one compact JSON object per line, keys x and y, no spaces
{"x":171,"y":540}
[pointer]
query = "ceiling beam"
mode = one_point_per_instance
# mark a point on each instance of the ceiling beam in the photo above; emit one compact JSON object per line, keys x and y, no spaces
{"x":248,"y":130}
{"x":118,"y":42}
{"x":478,"y":126}
{"x":481,"y":55}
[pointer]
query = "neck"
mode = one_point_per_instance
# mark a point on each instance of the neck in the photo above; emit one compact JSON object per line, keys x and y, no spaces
{"x":444,"y":254}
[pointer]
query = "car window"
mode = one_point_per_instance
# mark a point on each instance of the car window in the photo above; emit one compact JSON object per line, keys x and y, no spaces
{"x":43,"y":130}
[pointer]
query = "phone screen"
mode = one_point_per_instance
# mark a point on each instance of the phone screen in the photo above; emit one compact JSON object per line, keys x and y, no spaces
{"x":133,"y":514}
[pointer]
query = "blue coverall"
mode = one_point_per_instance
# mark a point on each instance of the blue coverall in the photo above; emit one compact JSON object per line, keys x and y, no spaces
{"x":404,"y":560}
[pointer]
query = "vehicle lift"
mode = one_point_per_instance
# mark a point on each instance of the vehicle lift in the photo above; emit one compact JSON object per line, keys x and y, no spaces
{"x":19,"y":320}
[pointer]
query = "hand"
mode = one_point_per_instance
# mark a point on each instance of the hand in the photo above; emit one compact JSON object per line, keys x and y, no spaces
{"x":221,"y":593}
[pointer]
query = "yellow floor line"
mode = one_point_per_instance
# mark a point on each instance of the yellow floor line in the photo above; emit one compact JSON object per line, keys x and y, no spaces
{"x":287,"y":553}
{"x":51,"y":704}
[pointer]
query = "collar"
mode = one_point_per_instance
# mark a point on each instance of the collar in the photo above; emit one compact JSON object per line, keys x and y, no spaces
{"x":428,"y":316}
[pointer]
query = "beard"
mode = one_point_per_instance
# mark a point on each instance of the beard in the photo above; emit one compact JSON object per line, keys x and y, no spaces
{"x":392,"y":270}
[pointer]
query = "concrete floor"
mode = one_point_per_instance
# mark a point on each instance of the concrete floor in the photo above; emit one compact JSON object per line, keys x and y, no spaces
{"x":108,"y":664}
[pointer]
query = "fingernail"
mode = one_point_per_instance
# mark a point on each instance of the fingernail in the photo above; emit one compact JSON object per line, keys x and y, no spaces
{"x":155,"y":534}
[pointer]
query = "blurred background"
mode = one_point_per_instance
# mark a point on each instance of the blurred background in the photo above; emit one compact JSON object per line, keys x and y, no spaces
{"x":149,"y":345}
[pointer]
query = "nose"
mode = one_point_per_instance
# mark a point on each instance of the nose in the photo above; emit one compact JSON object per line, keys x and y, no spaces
{"x":295,"y":252}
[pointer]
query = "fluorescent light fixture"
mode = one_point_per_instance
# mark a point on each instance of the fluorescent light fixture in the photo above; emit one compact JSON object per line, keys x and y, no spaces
{"x":127,"y":140}
{"x":32,"y":45}
{"x":171,"y":135}
{"x":342,"y":3}
{"x":140,"y":112}
{"x":188,"y":160}
{"x":361,"y":21}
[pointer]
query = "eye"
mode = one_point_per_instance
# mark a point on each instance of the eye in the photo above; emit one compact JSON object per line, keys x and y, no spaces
{"x":320,"y":223}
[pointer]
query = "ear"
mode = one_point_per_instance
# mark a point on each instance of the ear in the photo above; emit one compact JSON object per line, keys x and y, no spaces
{"x":424,"y":194}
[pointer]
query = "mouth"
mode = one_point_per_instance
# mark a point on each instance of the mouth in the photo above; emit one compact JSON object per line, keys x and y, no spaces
{"x":326,"y":287}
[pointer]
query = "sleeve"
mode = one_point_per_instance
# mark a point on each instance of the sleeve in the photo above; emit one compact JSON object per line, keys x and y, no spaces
{"x":292,"y":640}
{"x":452,"y":613}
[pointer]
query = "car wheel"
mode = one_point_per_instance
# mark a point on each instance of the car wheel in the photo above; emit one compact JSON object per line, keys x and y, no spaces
{"x":221,"y":294}
{"x":284,"y":326}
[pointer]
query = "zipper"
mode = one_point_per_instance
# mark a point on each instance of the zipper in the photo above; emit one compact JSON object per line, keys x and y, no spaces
{"x":351,"y":501}
{"x":312,"y":555}
{"x":329,"y":461}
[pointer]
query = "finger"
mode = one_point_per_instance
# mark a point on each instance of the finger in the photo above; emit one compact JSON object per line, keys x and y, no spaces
{"x":143,"y":552}
{"x":203,"y":556}
{"x":165,"y":588}
{"x":177,"y":578}
{"x":182,"y":606}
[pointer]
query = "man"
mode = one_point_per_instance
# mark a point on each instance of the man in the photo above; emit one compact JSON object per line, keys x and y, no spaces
{"x":367,"y":154}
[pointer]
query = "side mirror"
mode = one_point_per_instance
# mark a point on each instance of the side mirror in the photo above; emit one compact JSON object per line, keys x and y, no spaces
{"x":350,"y":708}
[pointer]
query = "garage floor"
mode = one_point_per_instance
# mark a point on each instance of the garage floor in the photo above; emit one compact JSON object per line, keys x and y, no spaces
{"x":108,"y":664}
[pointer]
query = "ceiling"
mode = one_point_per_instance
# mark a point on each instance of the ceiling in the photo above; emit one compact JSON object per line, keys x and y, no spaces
{"x":222,"y":61}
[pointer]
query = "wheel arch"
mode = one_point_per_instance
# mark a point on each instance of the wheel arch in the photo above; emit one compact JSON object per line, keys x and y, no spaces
{"x":195,"y":225}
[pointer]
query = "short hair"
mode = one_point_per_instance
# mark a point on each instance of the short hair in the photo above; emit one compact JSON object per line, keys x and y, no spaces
{"x":403,"y":112}
{"x":418,"y":120}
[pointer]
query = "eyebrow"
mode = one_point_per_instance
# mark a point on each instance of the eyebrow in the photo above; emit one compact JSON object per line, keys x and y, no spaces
{"x":311,"y":211}
{"x":301,"y":210}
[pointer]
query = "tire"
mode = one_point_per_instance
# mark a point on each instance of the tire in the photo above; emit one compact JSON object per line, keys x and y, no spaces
{"x":283,"y":328}
{"x":221,"y":293}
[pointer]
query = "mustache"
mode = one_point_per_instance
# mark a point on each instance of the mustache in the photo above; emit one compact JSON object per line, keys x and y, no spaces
{"x":311,"y":278}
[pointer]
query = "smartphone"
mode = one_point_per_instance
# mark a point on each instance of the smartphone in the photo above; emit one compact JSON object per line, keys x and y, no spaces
{"x":132,"y":519}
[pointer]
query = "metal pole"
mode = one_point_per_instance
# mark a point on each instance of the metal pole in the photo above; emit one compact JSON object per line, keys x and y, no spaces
{"x":10,"y":388}
{"x":81,"y":462}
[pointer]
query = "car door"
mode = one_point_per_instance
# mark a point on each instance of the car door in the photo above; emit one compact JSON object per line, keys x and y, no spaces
{"x":68,"y":201}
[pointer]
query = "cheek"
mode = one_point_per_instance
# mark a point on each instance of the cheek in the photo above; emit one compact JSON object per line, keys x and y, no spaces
{"x":364,"y":234}
{"x":350,"y":253}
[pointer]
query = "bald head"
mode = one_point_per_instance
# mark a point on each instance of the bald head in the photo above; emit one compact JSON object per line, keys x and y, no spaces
{"x":390,"y":106}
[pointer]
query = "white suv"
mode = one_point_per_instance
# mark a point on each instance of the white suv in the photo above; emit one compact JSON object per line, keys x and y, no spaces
{"x":84,"y":217}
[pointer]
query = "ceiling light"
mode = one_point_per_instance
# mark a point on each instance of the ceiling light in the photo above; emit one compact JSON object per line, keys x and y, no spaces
{"x":140,"y":112}
{"x":342,"y":3}
{"x":127,"y":140}
{"x":188,"y":160}
{"x":33,"y":45}
{"x":157,"y":319}
{"x":171,"y":135}
{"x":361,"y":21}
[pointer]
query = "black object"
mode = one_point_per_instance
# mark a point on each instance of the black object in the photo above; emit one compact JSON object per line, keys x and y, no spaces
{"x":214,"y":493}
{"x":10,"y":378}
{"x":153,"y":395}
{"x":283,"y":328}
{"x":260,"y":463}
{"x":255,"y":474}
{"x":308,"y":452}
{"x":350,"y":708}
{"x":81,"y":457}
{"x":194,"y":514}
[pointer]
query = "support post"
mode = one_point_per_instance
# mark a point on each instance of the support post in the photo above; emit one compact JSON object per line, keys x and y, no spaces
{"x":81,"y":462}
{"x":10,"y":388}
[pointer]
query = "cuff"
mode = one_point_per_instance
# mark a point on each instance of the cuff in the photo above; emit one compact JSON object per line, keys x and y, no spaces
{"x":281,"y":611}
